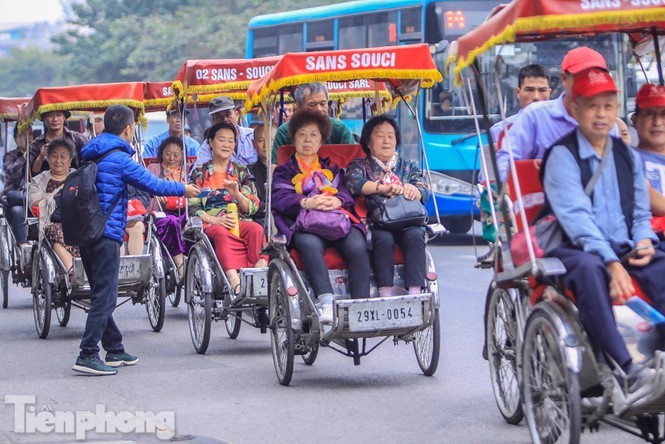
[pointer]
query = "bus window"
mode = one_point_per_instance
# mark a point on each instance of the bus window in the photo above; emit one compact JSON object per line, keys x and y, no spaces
{"x":290,"y":39}
{"x":265,"y":44}
{"x":352,"y":33}
{"x":381,"y":29}
{"x":410,"y":26}
{"x":320,"y":35}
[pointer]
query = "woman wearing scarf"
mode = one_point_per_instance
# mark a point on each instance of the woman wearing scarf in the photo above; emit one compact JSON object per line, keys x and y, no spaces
{"x":307,"y":181}
{"x":169,"y":228}
{"x":385,"y":173}
{"x":228,"y":183}
{"x":44,"y":196}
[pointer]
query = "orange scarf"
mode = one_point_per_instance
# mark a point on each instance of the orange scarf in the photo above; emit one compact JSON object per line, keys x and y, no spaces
{"x":313,"y":177}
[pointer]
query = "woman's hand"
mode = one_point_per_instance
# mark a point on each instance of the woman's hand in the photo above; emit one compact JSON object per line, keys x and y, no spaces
{"x":390,"y":190}
{"x":411,"y":192}
{"x":161,"y":200}
{"x":222,"y":220}
{"x":232,"y":187}
{"x":323,"y":203}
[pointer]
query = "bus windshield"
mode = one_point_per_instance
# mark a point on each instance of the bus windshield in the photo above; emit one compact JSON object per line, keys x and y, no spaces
{"x":447,"y":107}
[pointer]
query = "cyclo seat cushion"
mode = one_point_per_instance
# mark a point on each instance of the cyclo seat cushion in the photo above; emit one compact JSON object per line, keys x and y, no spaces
{"x":539,"y":290}
{"x":334,"y":261}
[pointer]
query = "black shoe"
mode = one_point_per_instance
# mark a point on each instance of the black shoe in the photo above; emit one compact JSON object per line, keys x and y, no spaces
{"x":484,"y":352}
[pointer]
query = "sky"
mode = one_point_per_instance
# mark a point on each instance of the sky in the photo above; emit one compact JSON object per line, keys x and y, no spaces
{"x":28,"y":11}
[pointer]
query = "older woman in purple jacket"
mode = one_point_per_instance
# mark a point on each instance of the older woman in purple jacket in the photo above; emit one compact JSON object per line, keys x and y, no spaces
{"x":307,"y":181}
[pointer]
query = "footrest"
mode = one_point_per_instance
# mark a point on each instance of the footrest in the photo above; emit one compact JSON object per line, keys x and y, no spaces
{"x":253,"y":286}
{"x":650,"y":398}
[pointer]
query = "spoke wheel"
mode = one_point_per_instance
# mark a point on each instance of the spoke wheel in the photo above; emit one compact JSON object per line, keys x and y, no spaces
{"x":63,"y":312}
{"x":551,"y":391}
{"x":174,"y":296}
{"x":155,"y":302}
{"x":199,"y":306}
{"x":233,"y":324}
{"x":502,"y":346}
{"x":41,"y":302}
{"x":427,"y":345}
{"x":282,"y":336}
{"x":312,"y":352}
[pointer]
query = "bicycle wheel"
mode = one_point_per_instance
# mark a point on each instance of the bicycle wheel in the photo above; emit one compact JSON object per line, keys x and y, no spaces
{"x":199,"y":305}
{"x":427,"y":345}
{"x":233,"y":324}
{"x":41,"y":301}
{"x":502,"y":346}
{"x":282,"y":339}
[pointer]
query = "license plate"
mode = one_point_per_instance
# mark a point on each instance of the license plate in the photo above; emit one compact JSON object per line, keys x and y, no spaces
{"x":260,"y":284}
{"x":380,"y":315}
{"x":130,"y":269}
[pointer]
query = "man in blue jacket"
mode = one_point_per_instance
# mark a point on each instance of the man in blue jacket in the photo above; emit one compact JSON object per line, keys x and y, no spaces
{"x":102,"y":259}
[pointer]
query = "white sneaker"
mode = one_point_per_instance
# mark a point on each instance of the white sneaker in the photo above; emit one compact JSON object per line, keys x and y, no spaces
{"x":326,"y":313}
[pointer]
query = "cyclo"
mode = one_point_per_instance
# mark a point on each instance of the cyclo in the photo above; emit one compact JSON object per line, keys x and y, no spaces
{"x":294,"y":319}
{"x":14,"y":259}
{"x":208,"y":293}
{"x":141,"y":277}
{"x":542,"y":364}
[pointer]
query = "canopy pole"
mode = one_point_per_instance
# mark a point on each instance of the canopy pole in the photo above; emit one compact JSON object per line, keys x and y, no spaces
{"x":377,"y":97}
{"x":659,"y":66}
{"x":281,"y":107}
{"x":364,"y":111}
{"x":267,"y":125}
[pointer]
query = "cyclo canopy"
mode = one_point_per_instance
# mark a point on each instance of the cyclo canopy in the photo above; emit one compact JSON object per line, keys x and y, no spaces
{"x":9,"y":107}
{"x":528,"y":20}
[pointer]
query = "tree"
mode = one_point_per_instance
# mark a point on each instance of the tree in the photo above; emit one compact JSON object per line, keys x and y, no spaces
{"x":27,"y":69}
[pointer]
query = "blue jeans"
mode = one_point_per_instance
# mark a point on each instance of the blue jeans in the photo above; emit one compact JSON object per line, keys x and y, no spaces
{"x":101,"y":261}
{"x":16,"y":215}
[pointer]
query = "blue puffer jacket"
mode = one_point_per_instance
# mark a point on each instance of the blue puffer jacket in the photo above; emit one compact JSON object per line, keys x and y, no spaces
{"x":114,"y":173}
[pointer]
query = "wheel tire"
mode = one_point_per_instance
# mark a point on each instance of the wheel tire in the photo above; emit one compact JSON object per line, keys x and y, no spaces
{"x":174,"y":297}
{"x":4,"y":276}
{"x":155,"y":302}
{"x":63,"y":313}
{"x":457,"y":224}
{"x":199,"y":307}
{"x":312,"y":352}
{"x":427,"y":346}
{"x":282,"y":338}
{"x":41,"y":302}
{"x":502,"y":346}
{"x":233,"y":324}
{"x":549,"y":386}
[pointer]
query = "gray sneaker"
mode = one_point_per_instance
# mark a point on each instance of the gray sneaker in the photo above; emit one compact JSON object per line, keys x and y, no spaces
{"x":93,"y":366}
{"x":120,"y":359}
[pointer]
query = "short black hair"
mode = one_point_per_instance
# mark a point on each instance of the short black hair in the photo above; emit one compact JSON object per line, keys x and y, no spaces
{"x":57,"y":143}
{"x":306,"y":116}
{"x":369,"y":126}
{"x":166,"y":142}
{"x":533,"y":70}
{"x":212,"y":131}
{"x":116,"y":119}
{"x":16,"y":131}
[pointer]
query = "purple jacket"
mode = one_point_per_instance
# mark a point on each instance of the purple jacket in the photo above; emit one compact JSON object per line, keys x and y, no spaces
{"x":286,"y":202}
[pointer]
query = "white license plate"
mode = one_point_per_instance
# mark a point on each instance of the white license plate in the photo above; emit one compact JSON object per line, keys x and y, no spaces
{"x":260,"y":284}
{"x":129,"y":270}
{"x":367,"y":316}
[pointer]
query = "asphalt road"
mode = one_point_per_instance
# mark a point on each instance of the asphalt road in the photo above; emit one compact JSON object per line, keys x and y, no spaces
{"x":231,"y":394}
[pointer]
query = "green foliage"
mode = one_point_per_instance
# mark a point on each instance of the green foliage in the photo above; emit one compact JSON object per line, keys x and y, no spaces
{"x":122,"y":40}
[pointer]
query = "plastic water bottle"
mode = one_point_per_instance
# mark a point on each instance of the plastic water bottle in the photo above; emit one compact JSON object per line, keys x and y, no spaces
{"x":232,"y":211}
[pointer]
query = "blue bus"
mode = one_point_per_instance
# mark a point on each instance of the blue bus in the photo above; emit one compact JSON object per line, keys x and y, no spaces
{"x":447,"y":126}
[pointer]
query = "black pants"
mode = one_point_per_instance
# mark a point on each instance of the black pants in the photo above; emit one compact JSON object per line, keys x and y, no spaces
{"x":353,"y":249}
{"x":101,"y":261}
{"x":588,"y":279}
{"x":412,"y":242}
{"x":16,"y":215}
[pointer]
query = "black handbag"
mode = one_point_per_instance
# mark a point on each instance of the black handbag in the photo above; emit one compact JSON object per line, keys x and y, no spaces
{"x":395,"y":213}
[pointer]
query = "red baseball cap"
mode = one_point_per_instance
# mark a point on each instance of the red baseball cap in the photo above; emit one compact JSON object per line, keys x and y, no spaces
{"x":650,"y":96}
{"x":581,"y":59}
{"x":593,"y":82}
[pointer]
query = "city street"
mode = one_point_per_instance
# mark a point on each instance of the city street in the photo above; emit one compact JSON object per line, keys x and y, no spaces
{"x":231,"y":394}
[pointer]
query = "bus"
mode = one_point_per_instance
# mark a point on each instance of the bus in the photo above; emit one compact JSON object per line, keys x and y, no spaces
{"x":448,"y":129}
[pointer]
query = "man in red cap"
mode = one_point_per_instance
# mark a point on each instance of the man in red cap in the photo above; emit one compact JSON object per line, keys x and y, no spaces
{"x":542,"y":123}
{"x":649,"y":121}
{"x":595,"y":185}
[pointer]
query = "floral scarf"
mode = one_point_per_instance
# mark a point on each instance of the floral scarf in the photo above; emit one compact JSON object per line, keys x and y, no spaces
{"x":388,"y":177}
{"x":313,"y":178}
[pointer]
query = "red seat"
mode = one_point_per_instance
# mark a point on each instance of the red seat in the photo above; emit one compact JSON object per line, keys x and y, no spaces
{"x":191,"y":160}
{"x":539,"y":290}
{"x":533,"y":198}
{"x":340,"y":155}
{"x":335,"y":262}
